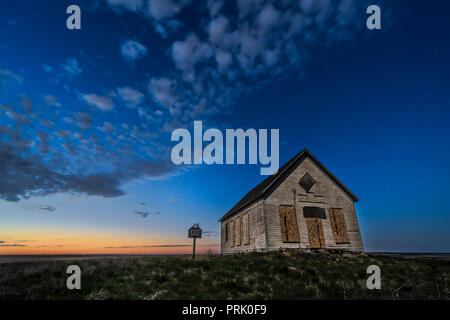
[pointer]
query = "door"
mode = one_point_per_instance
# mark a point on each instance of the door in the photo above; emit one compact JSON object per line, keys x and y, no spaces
{"x":315,"y":233}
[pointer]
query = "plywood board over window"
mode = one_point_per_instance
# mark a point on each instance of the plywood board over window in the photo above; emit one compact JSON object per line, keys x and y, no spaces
{"x":245,"y":230}
{"x":338,"y":225}
{"x":288,"y":224}
{"x":232,"y":234}
{"x":237,"y":228}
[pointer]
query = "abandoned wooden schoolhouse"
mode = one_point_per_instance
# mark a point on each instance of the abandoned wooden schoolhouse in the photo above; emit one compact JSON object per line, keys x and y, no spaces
{"x":302,"y":206}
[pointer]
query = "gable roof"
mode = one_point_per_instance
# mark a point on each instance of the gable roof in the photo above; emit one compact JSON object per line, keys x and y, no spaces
{"x":270,"y":183}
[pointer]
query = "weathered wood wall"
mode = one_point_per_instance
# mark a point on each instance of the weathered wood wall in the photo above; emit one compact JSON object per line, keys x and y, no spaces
{"x":256,"y":237}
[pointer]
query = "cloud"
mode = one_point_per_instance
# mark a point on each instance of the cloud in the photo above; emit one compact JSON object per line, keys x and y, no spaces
{"x":25,"y":177}
{"x":268,"y":17}
{"x":70,"y":68}
{"x":12,"y":245}
{"x":19,"y":118}
{"x":154,"y":9}
{"x":142,"y":214}
{"x":51,"y":101}
{"x":145,"y":214}
{"x":26,"y":103}
{"x":47,"y":68}
{"x":132,"y":5}
{"x":107,"y":128}
{"x":164,"y":91}
{"x":131,"y":97}
{"x":151,"y":246}
{"x":237,"y":53}
{"x":132,"y":50}
{"x":186,"y":54}
{"x":163,"y":9}
{"x":49,"y":246}
{"x":217,"y":28}
{"x":213,"y":60}
{"x":224,"y":60}
{"x":210,"y":233}
{"x":83,"y":120}
{"x":7,"y":77}
{"x":161,"y":12}
{"x":47,"y":123}
{"x":102,"y":103}
{"x":47,"y":208}
{"x":88,"y":170}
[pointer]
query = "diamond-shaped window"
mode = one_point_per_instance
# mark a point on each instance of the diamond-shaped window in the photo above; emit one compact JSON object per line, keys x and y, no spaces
{"x":307,"y":182}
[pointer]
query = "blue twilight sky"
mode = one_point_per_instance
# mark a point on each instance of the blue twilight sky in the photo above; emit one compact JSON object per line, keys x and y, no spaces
{"x":86,"y":115}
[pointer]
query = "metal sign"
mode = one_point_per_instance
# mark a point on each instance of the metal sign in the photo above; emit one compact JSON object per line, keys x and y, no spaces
{"x":195,"y":231}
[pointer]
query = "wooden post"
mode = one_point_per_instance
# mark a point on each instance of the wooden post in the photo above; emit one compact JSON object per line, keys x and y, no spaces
{"x":194,"y":232}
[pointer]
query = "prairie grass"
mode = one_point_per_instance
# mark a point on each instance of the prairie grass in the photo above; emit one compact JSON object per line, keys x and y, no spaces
{"x":274,"y":275}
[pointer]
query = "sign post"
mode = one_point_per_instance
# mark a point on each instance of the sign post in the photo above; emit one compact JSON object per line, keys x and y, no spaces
{"x":194,"y":232}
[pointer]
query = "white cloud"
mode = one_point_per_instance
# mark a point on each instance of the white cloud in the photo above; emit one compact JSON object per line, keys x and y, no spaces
{"x":107,"y":128}
{"x":132,"y":5}
{"x":163,"y":9}
{"x":268,"y":17}
{"x":71,"y":67}
{"x":145,"y":114}
{"x":186,"y":54}
{"x":164,"y":91}
{"x":83,"y":120}
{"x":17,"y":117}
{"x":132,"y":50}
{"x":233,"y":54}
{"x":7,"y":76}
{"x":47,"y":123}
{"x":68,"y":120}
{"x":51,"y":101}
{"x":224,"y":60}
{"x":131,"y":97}
{"x":102,"y":103}
{"x":214,"y":7}
{"x":217,"y":28}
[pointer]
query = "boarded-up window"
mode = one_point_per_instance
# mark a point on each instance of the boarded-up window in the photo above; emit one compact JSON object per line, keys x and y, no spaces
{"x":245,"y":230}
{"x":314,"y":212}
{"x":237,"y":228}
{"x":226,"y":231}
{"x":338,"y":225}
{"x":232,"y":234}
{"x":288,"y":224}
{"x":315,"y":233}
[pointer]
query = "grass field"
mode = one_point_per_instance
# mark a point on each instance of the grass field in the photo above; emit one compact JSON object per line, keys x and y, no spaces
{"x":275,"y":275}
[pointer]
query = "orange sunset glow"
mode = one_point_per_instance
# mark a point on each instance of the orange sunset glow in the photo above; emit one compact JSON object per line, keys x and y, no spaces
{"x":29,"y":242}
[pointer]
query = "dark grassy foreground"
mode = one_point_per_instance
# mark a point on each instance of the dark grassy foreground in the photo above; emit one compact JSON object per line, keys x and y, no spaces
{"x":277,"y":275}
